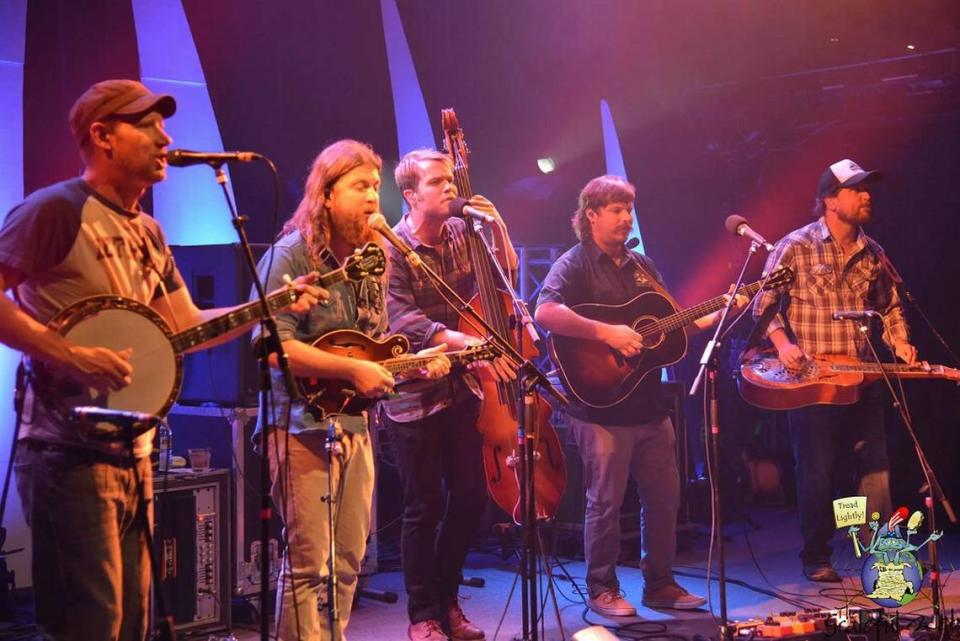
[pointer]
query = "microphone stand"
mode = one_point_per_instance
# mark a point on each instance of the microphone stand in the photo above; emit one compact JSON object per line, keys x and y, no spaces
{"x":530,"y":377}
{"x":934,"y":492}
{"x":709,"y":364}
{"x":269,"y":344}
{"x":908,"y":296}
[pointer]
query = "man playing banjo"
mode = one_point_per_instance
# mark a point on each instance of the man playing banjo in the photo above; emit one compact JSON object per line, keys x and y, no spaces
{"x":84,"y":237}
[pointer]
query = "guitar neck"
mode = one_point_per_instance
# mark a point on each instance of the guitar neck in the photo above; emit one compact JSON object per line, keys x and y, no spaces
{"x":687,"y":316}
{"x":244,"y":314}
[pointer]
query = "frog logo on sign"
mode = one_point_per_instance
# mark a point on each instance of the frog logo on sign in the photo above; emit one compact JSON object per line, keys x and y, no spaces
{"x":891,"y":575}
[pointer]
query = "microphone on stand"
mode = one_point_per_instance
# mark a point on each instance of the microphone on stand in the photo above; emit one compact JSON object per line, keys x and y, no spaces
{"x":461,"y":208}
{"x":855,"y":314}
{"x":737,"y":224}
{"x":121,"y":418}
{"x":379,"y":224}
{"x":187,"y":158}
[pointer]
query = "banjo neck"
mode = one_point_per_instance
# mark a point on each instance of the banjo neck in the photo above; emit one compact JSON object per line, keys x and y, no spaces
{"x":198,"y":334}
{"x":215,"y":327}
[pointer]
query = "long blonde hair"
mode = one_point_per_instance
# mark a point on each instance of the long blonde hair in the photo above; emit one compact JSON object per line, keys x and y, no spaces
{"x":312,"y":218}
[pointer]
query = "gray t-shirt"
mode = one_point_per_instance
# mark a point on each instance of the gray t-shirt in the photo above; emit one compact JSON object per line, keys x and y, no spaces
{"x":70,"y":244}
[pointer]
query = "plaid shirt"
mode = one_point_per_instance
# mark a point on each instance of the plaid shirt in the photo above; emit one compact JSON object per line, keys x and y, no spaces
{"x":418,"y":311}
{"x":827,"y":281}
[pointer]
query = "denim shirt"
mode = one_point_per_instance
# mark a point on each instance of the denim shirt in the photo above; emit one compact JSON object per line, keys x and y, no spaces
{"x":352,"y":305}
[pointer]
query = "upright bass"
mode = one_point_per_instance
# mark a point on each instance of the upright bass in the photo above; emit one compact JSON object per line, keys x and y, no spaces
{"x":498,"y":422}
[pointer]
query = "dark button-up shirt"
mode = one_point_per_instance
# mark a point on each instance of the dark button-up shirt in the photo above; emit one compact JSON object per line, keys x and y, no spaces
{"x":418,"y":311}
{"x":827,"y":280}
{"x":584,"y":274}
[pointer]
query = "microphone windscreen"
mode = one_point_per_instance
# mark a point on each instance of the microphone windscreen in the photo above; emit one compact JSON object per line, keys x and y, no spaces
{"x":733,"y":222}
{"x":457,"y":205}
{"x":377,"y":221}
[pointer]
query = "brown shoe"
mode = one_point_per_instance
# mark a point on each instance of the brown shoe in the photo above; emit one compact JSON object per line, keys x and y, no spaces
{"x":460,"y":627}
{"x":673,"y":597}
{"x":428,"y":630}
{"x":612,"y":604}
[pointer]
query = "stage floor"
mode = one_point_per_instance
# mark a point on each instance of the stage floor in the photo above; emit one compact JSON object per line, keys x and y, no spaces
{"x":764,"y":577}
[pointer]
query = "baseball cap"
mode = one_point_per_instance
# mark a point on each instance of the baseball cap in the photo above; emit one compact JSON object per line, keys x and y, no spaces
{"x":116,"y":98}
{"x":843,"y":173}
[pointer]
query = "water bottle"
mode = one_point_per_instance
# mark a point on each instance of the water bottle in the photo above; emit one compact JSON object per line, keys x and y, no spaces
{"x":165,"y":446}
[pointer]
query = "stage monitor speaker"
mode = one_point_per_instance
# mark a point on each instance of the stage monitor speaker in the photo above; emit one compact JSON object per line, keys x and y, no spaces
{"x":217,"y":276}
{"x":192,"y":540}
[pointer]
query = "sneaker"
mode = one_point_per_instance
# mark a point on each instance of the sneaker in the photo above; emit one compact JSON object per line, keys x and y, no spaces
{"x":460,"y":627}
{"x":821,"y":572}
{"x":673,"y":597}
{"x":428,"y":630}
{"x":612,"y":604}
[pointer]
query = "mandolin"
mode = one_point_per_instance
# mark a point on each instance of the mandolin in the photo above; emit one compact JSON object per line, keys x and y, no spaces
{"x":336,"y":396}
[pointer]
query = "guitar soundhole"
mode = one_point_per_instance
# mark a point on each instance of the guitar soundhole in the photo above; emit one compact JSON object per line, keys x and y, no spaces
{"x":651,"y":340}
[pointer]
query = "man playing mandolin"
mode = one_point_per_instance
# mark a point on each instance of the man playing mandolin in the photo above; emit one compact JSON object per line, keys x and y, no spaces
{"x":433,"y":424}
{"x":633,"y":436}
{"x":342,"y":192}
{"x":79,"y":238}
{"x":838,"y":267}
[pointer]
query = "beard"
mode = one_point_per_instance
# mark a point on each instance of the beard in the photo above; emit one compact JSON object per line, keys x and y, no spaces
{"x":859,"y":216}
{"x":354,"y":232}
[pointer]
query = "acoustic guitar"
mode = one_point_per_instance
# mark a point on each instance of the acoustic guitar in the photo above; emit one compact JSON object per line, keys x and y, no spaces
{"x":826,"y":379}
{"x":600,"y":376}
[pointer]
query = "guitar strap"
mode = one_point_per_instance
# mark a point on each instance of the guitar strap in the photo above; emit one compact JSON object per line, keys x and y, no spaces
{"x":649,"y":279}
{"x":759,"y":330}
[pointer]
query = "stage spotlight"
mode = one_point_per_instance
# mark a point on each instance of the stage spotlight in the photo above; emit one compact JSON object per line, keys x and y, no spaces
{"x":546,"y":165}
{"x":910,"y":47}
{"x":594,"y":633}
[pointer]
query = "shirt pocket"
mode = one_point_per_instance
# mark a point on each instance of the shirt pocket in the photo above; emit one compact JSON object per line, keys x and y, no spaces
{"x":861,"y":278}
{"x":817,"y":283}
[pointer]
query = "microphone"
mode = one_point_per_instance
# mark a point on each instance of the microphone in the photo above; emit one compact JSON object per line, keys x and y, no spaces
{"x":379,"y":224}
{"x":633,"y":242}
{"x":855,"y":314}
{"x":737,"y":224}
{"x":186,"y":158}
{"x":121,"y":418}
{"x":460,"y":207}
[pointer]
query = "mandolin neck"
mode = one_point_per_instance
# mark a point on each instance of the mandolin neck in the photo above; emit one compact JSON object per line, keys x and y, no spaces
{"x":406,"y":364}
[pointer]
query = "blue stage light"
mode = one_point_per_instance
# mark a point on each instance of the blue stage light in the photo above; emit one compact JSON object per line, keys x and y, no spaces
{"x":189,"y":204}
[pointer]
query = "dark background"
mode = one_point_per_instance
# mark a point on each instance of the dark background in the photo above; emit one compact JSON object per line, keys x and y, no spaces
{"x":721,"y":107}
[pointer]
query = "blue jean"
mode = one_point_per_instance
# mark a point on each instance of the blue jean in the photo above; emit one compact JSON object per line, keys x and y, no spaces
{"x":443,"y":500}
{"x":91,"y":569}
{"x":611,"y":454}
{"x":825,"y":438}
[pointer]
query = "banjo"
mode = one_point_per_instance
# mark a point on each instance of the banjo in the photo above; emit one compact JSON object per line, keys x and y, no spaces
{"x":119,"y":323}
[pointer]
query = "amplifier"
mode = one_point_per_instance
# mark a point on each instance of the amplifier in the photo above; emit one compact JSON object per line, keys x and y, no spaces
{"x":217,"y":276}
{"x":192,"y":541}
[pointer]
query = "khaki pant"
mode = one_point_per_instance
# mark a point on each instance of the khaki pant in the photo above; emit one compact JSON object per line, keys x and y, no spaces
{"x":298,"y":468}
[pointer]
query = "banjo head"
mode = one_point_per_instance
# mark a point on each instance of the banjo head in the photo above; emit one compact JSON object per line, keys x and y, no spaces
{"x":118,"y":324}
